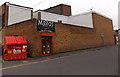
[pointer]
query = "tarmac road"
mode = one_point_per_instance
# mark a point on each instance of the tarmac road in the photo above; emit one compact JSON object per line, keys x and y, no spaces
{"x":99,"y":61}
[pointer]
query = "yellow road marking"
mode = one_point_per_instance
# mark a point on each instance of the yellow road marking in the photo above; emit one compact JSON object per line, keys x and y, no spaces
{"x":48,"y":59}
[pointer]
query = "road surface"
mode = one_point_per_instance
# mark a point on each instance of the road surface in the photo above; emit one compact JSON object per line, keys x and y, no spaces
{"x":95,"y":61}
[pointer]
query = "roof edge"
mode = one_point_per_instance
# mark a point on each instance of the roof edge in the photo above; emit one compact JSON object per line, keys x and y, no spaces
{"x":7,"y":3}
{"x":102,"y":15}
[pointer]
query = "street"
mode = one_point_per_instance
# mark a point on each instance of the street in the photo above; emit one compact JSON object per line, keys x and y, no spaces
{"x":94,"y":61}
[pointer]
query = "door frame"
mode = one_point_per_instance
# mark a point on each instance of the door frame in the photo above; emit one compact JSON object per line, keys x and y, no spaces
{"x":47,"y":35}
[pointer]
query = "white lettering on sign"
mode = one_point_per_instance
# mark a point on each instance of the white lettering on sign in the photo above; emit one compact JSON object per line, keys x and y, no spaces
{"x":45,"y":23}
{"x":45,"y":26}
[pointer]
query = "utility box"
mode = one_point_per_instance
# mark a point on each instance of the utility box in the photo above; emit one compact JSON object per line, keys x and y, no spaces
{"x":15,"y":47}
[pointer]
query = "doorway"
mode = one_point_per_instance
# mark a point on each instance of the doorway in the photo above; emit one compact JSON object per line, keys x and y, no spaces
{"x":46,"y":45}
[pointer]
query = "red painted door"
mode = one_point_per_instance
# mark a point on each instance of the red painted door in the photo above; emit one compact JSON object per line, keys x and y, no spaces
{"x":46,"y":45}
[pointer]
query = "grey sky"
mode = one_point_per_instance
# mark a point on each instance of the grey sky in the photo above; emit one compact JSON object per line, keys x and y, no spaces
{"x":108,"y":8}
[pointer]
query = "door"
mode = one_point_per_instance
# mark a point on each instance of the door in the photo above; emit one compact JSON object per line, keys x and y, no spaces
{"x":46,"y":45}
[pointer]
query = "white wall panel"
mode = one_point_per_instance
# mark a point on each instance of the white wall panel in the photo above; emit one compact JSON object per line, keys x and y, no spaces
{"x":53,"y":17}
{"x":84,"y":20}
{"x":18,"y":14}
{"x":35,"y":15}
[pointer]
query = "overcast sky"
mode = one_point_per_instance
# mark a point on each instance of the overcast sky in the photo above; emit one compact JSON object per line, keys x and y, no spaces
{"x":108,"y":8}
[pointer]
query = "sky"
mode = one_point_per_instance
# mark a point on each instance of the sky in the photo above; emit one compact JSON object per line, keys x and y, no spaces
{"x":108,"y":8}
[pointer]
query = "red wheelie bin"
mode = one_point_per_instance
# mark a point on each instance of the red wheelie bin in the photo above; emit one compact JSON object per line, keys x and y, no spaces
{"x":15,"y":47}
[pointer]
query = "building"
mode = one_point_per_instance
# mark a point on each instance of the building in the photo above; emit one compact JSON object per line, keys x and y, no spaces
{"x":116,"y":36}
{"x":55,"y":29}
{"x":119,"y":35}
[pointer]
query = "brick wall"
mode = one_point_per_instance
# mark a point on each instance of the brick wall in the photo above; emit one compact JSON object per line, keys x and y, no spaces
{"x":28,"y":30}
{"x":67,"y":37}
{"x":105,"y":26}
{"x":61,"y":9}
{"x":0,"y":37}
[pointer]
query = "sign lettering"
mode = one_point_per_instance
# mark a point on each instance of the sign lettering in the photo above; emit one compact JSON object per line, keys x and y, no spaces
{"x":45,"y":26}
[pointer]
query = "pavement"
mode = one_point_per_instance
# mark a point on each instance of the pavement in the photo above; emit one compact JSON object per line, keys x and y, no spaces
{"x":94,"y":61}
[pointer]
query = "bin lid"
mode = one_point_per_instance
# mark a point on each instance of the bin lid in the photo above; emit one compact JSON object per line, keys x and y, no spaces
{"x":12,"y":40}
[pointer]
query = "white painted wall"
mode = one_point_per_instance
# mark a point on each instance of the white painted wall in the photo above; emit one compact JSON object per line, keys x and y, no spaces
{"x":35,"y":15}
{"x":84,"y":20}
{"x":53,"y":17}
{"x":18,"y":14}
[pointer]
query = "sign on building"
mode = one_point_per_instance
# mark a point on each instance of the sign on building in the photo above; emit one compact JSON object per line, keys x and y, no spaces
{"x":45,"y":26}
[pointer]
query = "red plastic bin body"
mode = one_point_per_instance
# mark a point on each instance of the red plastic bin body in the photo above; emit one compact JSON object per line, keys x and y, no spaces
{"x":15,"y":48}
